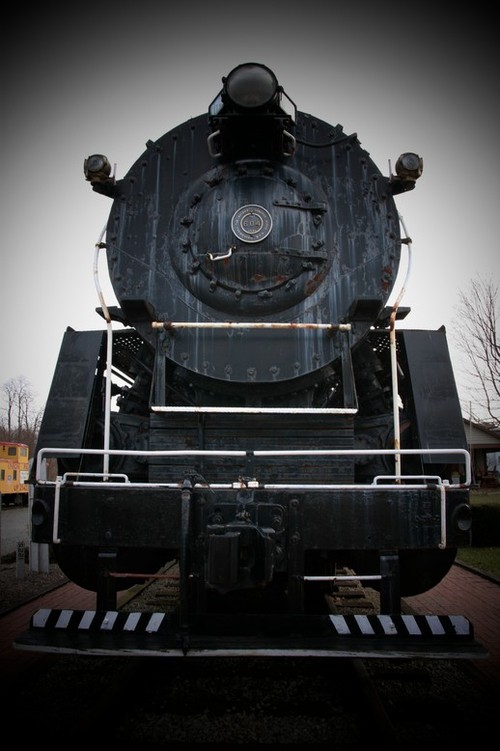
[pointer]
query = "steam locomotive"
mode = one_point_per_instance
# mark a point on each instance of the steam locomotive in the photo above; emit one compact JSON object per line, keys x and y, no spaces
{"x":250,"y":409}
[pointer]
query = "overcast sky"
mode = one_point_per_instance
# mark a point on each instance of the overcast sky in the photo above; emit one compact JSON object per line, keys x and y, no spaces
{"x":109,"y":77}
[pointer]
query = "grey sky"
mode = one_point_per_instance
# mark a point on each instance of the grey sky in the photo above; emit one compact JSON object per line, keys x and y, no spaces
{"x":110,"y":77}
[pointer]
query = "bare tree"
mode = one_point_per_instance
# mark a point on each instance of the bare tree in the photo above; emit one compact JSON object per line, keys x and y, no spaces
{"x":19,"y":416}
{"x":476,"y":332}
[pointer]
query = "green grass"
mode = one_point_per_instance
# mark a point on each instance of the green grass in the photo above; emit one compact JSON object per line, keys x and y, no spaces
{"x":484,"y":559}
{"x":485,"y":497}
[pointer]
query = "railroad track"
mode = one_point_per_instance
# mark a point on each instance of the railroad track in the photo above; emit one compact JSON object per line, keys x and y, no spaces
{"x":161,"y":593}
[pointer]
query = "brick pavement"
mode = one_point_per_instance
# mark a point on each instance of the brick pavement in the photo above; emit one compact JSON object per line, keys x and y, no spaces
{"x":477,"y":598}
{"x":12,"y":661}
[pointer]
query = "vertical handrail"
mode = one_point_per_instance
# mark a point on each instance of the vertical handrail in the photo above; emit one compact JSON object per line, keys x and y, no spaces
{"x":109,"y":354}
{"x":55,"y":523}
{"x":394,"y":361}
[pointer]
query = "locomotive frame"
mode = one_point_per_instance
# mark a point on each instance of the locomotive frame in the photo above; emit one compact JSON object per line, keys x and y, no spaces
{"x":274,"y":426}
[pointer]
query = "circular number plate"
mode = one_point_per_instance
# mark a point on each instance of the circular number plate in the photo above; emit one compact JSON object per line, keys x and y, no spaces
{"x":251,"y":223}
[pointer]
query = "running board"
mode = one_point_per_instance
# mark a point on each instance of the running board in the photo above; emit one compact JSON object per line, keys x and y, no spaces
{"x":158,"y":634}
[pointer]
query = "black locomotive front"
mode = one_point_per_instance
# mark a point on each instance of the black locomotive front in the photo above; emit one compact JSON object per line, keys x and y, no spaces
{"x":253,"y":435}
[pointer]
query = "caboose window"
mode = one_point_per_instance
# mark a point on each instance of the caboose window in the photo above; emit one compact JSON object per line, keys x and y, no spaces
{"x":11,"y":451}
{"x":24,"y":451}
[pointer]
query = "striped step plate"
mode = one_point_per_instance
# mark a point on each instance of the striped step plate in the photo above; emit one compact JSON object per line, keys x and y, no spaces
{"x":218,"y":635}
{"x":355,"y":625}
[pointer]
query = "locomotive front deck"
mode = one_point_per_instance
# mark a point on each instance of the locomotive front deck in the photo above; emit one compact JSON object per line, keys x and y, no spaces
{"x":85,"y":510}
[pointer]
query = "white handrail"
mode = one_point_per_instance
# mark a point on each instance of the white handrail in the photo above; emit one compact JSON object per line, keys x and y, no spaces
{"x":49,"y":452}
{"x":248,"y":325}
